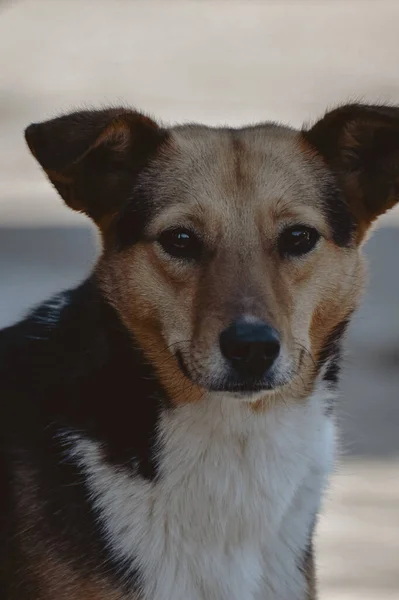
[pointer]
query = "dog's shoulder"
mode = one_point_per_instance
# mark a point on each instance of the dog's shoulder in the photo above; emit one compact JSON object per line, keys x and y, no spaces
{"x":70,"y":359}
{"x":26,"y":348}
{"x":52,"y":339}
{"x":44,"y":356}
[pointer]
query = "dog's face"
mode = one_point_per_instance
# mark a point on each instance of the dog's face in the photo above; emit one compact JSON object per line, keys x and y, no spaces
{"x":232,"y":255}
{"x":236,"y":271}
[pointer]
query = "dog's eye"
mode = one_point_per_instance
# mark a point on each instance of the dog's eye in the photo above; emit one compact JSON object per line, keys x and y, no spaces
{"x":181,"y":243}
{"x":297,"y":240}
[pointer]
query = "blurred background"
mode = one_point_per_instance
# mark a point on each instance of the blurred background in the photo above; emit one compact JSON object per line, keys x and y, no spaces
{"x":221,"y":62}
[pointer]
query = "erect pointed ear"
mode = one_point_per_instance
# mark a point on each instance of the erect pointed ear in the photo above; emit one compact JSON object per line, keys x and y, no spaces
{"x":93,"y":157}
{"x":360,"y":144}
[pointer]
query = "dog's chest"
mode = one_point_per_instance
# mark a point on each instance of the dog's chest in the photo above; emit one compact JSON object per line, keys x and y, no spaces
{"x":229,"y":516}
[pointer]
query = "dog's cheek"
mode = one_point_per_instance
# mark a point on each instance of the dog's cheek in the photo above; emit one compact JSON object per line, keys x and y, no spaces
{"x":339,"y":297}
{"x":327,"y":292}
{"x":177,"y":312}
{"x":149,"y":293}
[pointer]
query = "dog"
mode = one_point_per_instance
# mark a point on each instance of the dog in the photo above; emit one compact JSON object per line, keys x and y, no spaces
{"x":167,"y":427}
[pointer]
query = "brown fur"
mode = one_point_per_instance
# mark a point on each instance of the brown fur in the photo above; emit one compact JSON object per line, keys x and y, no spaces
{"x":59,"y":580}
{"x":238,"y":190}
{"x":238,"y":208}
{"x":43,"y":568}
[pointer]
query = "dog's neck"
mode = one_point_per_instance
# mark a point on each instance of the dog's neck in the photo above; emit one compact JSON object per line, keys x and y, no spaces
{"x":231,"y":482}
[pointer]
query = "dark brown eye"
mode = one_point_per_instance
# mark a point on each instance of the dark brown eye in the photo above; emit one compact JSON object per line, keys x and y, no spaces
{"x":297,"y":240}
{"x":181,"y":243}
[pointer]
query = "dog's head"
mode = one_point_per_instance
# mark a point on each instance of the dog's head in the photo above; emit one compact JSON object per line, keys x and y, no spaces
{"x":232,"y":255}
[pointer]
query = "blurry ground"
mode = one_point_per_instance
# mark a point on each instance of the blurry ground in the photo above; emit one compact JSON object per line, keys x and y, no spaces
{"x":222,"y":62}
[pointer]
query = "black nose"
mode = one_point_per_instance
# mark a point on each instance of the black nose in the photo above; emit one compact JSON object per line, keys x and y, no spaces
{"x":251,"y":347}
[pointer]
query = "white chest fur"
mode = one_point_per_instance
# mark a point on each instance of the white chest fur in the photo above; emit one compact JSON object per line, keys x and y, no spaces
{"x":230,"y":514}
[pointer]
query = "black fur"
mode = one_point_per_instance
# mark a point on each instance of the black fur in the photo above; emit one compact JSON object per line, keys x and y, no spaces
{"x":360,"y":144}
{"x":130,"y":223}
{"x":333,"y":370}
{"x":93,"y":158}
{"x":340,"y":219}
{"x":330,"y":355}
{"x":332,"y":347}
{"x":84,"y":374}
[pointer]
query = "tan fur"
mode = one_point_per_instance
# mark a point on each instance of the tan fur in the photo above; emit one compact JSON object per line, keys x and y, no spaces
{"x":142,"y":316}
{"x":237,"y":193}
{"x":238,"y":190}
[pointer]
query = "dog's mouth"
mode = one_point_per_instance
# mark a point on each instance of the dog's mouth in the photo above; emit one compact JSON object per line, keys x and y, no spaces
{"x":231,"y":382}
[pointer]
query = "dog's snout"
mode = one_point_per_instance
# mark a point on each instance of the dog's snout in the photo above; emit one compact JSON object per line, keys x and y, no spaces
{"x":250,"y":347}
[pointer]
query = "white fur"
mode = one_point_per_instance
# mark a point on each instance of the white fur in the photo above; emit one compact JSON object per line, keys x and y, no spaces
{"x":56,"y":306}
{"x":52,"y":308}
{"x":230,"y":514}
{"x":48,"y":314}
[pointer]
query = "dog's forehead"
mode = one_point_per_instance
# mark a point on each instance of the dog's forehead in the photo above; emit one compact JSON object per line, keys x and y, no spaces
{"x":262,"y":163}
{"x":267,"y":138}
{"x":255,"y":175}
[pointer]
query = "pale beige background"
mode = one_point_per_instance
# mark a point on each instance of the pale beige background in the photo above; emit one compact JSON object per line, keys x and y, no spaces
{"x":221,"y":62}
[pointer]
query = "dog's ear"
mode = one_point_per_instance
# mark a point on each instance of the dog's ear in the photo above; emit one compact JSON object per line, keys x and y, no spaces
{"x":360,"y":144}
{"x":93,"y":157}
